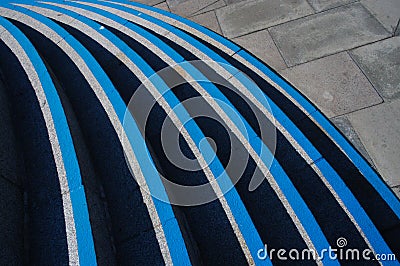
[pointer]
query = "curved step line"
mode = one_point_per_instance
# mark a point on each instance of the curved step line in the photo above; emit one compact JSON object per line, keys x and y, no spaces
{"x":310,"y":153}
{"x":288,"y":90}
{"x":295,"y":198}
{"x":102,"y":85}
{"x":223,"y":179}
{"x":246,"y":224}
{"x":76,"y":214}
{"x":276,"y":169}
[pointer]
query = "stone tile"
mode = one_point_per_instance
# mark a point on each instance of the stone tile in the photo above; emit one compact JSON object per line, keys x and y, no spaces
{"x":381,"y":63}
{"x":379,"y":128}
{"x":163,"y":6}
{"x":188,"y":7}
{"x":208,"y":20}
{"x":261,"y":45}
{"x":320,"y":5}
{"x":148,"y":2}
{"x":397,"y":191}
{"x":344,"y":125}
{"x":245,"y":17}
{"x":387,"y":12}
{"x":230,"y":2}
{"x":326,"y":33}
{"x":334,"y":83}
{"x":211,"y":7}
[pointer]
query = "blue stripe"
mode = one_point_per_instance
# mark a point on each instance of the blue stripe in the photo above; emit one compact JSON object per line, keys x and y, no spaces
{"x":289,"y":125}
{"x":164,"y":209}
{"x":239,"y":211}
{"x":87,"y":255}
{"x":287,"y":187}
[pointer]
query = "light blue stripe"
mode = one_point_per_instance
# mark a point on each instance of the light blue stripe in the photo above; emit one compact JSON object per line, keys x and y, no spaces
{"x":87,"y":255}
{"x":289,"y":125}
{"x":288,"y":189}
{"x":136,"y":140}
{"x":354,"y":207}
{"x":238,"y":209}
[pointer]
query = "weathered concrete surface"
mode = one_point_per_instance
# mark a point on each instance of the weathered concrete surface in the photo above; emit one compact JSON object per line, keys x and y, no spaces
{"x":261,"y":45}
{"x":334,"y":83}
{"x":381,"y":63}
{"x":208,"y":20}
{"x":320,"y":5}
{"x":379,"y":129}
{"x":326,"y":33}
{"x":344,"y":125}
{"x":188,"y":7}
{"x":162,"y":6}
{"x":245,"y":17}
{"x":211,"y":7}
{"x":387,"y":12}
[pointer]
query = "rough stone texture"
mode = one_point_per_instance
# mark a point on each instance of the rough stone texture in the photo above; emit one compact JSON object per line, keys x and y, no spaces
{"x":334,"y":83}
{"x":211,"y":7}
{"x":379,"y":128}
{"x":344,"y":125}
{"x":326,"y":33}
{"x":162,"y":6}
{"x":387,"y":12}
{"x":320,"y":5}
{"x":188,"y":7}
{"x":149,"y":2}
{"x":208,"y":20}
{"x":246,"y":17}
{"x":381,"y":63}
{"x":397,"y":191}
{"x":261,"y":45}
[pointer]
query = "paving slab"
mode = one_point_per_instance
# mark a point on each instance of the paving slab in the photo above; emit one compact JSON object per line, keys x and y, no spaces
{"x":261,"y":45}
{"x":163,"y":6}
{"x":208,"y":20}
{"x":387,"y":12}
{"x":188,"y":7}
{"x":245,"y":17}
{"x":379,"y":128}
{"x":320,"y":5}
{"x":397,"y":191}
{"x":334,"y":83}
{"x":344,"y":125}
{"x":216,"y":5}
{"x":148,"y":2}
{"x":381,"y":63}
{"x":327,"y":33}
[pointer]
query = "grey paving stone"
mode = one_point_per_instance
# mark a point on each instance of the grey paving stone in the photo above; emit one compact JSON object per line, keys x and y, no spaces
{"x":208,"y":20}
{"x":261,"y":45}
{"x":211,"y":7}
{"x":148,"y":2}
{"x":379,"y":129}
{"x":327,"y":33}
{"x":320,"y":5}
{"x":387,"y":12}
{"x":245,"y":17}
{"x":163,"y":6}
{"x":381,"y":63}
{"x":188,"y":7}
{"x":334,"y":83}
{"x":344,"y":125}
{"x":397,"y":191}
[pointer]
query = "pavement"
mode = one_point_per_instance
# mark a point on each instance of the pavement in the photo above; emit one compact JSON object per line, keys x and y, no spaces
{"x":343,"y":55}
